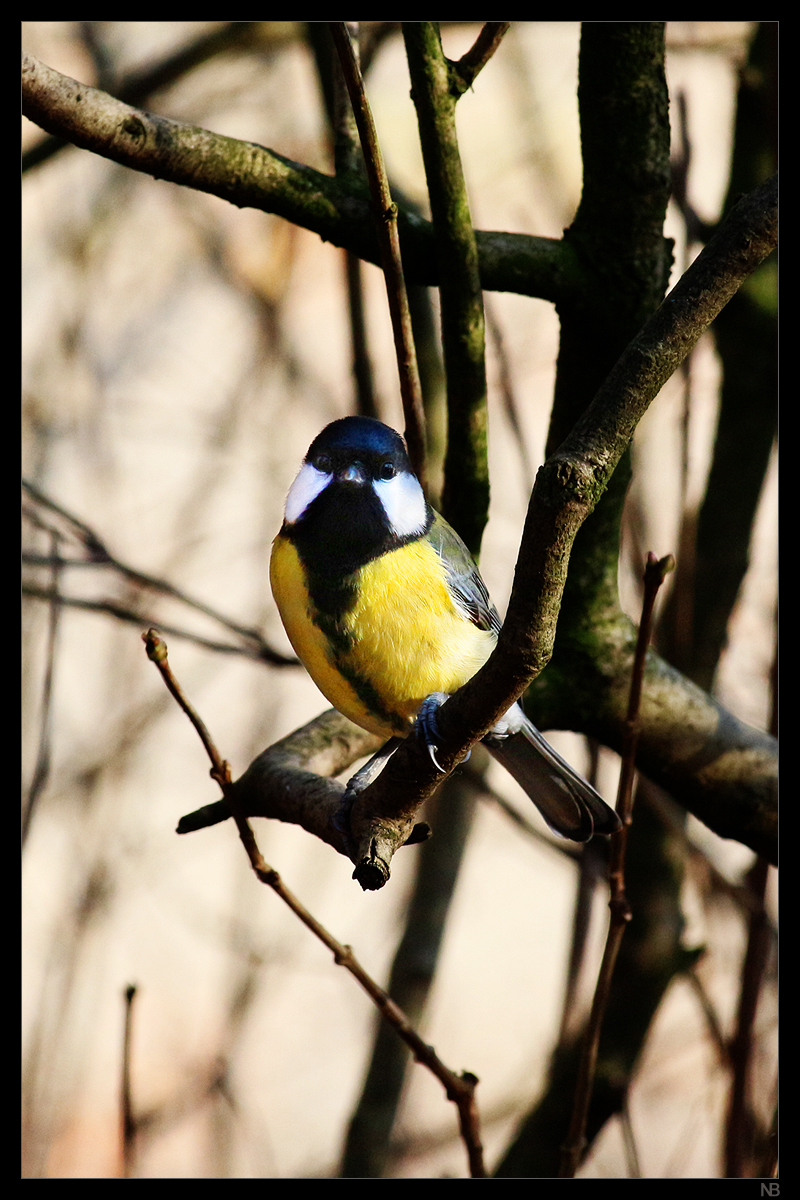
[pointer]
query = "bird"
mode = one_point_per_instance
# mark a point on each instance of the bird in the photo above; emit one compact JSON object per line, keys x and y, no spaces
{"x":386,"y":609}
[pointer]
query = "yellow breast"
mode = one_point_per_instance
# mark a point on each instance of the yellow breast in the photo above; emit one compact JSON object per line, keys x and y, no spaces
{"x":402,"y":639}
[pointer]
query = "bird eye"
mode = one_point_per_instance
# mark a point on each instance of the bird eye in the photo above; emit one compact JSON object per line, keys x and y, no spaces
{"x":387,"y":471}
{"x":323,"y":463}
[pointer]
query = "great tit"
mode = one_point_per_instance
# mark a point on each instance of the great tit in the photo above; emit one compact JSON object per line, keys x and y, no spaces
{"x":384,"y":606}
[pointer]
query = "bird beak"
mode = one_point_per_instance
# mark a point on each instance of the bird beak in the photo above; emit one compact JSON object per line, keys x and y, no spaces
{"x":354,"y":473}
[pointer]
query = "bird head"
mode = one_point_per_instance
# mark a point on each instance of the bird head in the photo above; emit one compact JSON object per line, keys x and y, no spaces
{"x":355,"y":494}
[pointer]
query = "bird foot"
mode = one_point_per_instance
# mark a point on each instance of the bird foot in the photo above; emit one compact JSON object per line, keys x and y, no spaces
{"x":427,"y":728}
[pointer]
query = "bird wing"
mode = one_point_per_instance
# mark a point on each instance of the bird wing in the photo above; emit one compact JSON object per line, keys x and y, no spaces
{"x":566,"y":800}
{"x":463,"y":578}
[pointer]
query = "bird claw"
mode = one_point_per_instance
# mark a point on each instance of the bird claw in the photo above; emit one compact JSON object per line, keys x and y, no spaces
{"x":432,"y":752}
{"x":428,"y":729}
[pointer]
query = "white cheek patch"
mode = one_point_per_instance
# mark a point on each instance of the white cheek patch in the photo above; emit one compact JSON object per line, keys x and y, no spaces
{"x":404,"y":504}
{"x":306,"y":487}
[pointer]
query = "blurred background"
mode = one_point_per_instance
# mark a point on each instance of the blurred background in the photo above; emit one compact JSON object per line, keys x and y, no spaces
{"x":178,"y":356}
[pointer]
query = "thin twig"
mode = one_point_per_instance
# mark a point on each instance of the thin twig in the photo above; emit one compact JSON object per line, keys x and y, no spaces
{"x":132,"y":617}
{"x":349,"y":165}
{"x":42,"y":768}
{"x":654,"y":575}
{"x":128,"y":1119}
{"x":711,"y":1017}
{"x":629,"y":1142}
{"x":674,"y":819}
{"x":348,"y":155}
{"x":100,"y":556}
{"x":470,"y":65}
{"x":385,"y":212}
{"x":593,"y":868}
{"x":366,"y":401}
{"x":510,"y":403}
{"x":459,"y":1088}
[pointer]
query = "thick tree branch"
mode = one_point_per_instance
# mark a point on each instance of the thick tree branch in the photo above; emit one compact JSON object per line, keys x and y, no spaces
{"x":251,"y":176}
{"x":465,"y":497}
{"x":136,"y":86}
{"x":292,"y":780}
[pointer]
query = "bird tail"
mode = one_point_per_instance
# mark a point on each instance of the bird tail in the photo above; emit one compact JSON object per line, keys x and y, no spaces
{"x":569,"y":805}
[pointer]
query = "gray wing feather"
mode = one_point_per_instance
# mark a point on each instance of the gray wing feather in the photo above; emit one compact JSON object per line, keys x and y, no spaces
{"x":468,"y":590}
{"x":568,"y":803}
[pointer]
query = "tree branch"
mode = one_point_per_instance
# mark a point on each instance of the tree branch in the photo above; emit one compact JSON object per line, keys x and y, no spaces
{"x":459,"y":1088}
{"x":97,"y":555}
{"x":251,"y":176}
{"x":385,"y":220}
{"x":293,"y":779}
{"x":465,"y":497}
{"x":567,"y":489}
{"x":138,"y":85}
{"x":464,"y":72}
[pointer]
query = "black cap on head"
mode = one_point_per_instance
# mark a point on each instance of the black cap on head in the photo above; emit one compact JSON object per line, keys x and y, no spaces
{"x":361,"y":435}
